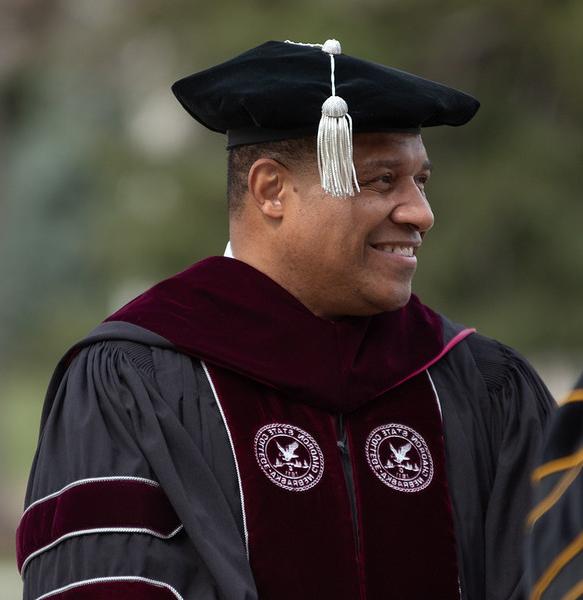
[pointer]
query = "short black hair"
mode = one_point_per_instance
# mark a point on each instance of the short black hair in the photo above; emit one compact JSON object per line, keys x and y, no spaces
{"x":294,"y":154}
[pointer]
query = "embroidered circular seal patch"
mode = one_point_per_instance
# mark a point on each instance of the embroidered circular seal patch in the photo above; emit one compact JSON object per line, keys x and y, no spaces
{"x":399,"y":457}
{"x":289,"y":456}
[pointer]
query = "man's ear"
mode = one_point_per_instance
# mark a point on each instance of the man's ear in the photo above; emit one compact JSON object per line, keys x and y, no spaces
{"x":267,"y":183}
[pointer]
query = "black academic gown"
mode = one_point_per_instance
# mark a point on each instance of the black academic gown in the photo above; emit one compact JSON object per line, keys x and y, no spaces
{"x":130,"y":404}
{"x":555,"y":523}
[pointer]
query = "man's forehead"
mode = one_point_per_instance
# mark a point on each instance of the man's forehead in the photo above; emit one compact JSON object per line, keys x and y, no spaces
{"x":425,"y":164}
{"x":389,"y":150}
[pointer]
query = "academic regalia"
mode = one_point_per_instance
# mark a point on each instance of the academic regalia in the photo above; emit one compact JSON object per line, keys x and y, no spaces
{"x":555,"y":538}
{"x":215,"y":439}
{"x":136,"y":484}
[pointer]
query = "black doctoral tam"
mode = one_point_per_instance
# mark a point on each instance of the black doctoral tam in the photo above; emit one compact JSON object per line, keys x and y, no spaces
{"x":277,"y":90}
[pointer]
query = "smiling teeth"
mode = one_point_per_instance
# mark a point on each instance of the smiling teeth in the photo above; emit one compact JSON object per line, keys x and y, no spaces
{"x":402,"y":250}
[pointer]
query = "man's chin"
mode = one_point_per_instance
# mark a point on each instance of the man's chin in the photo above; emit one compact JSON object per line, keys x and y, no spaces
{"x":378,"y":305}
{"x":392,"y":301}
{"x":367,"y":304}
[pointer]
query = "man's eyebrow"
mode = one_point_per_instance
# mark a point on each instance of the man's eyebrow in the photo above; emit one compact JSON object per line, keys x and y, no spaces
{"x":393,"y":163}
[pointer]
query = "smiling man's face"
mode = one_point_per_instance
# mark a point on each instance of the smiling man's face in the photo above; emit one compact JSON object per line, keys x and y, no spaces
{"x":357,"y":255}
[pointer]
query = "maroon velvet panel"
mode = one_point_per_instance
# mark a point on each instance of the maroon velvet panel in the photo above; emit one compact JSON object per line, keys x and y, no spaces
{"x":407,"y":537}
{"x":116,"y":590}
{"x":93,"y":505}
{"x":225,"y":311}
{"x":301,"y":541}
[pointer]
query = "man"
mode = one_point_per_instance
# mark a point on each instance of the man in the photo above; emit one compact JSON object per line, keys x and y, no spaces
{"x":555,"y":541}
{"x":291,"y":422}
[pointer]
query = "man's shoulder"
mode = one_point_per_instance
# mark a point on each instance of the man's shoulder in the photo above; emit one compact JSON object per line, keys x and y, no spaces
{"x":497,"y":363}
{"x":124,"y":346}
{"x":123,"y":366}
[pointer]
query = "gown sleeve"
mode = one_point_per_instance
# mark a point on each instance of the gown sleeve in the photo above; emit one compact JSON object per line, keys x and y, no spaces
{"x":123,"y":499}
{"x":554,"y":552}
{"x":520,"y":405}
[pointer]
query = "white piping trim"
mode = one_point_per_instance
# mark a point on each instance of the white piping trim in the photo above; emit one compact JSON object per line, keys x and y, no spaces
{"x":459,"y":582}
{"x":436,"y":394}
{"x":71,"y":586}
{"x":118,"y":530}
{"x":90,"y":480}
{"x":72,"y":534}
{"x":234,"y":455}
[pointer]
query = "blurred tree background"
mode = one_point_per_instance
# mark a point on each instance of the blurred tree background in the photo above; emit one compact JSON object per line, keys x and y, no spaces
{"x":109,"y":186}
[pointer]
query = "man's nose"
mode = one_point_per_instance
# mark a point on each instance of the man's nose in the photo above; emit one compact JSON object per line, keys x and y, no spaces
{"x":413,"y":209}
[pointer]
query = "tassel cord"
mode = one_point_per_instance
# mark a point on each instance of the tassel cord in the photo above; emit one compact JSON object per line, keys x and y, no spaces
{"x":332,"y":76}
{"x":335,"y":150}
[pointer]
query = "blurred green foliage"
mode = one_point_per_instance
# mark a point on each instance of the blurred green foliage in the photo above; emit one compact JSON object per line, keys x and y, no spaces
{"x":108,"y":186}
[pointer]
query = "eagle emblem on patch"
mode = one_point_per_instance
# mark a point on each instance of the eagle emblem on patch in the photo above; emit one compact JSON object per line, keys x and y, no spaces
{"x":289,"y":456}
{"x":399,"y":457}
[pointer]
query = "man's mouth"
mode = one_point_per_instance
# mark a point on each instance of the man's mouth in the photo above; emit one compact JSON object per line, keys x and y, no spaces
{"x":395,"y":249}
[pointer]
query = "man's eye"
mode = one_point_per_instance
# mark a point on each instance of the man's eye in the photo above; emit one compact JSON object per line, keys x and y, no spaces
{"x":422,"y":180}
{"x":380,"y":182}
